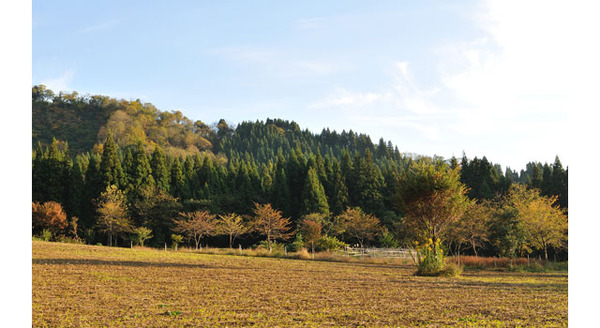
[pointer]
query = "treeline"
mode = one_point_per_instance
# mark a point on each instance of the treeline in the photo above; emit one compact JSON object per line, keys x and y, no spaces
{"x":226,"y":170}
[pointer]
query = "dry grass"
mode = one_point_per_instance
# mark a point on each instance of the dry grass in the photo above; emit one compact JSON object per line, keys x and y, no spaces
{"x":506,"y":263}
{"x":94,"y":286}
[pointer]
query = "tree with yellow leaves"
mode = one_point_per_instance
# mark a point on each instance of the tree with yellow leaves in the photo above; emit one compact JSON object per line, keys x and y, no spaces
{"x":545,"y":223}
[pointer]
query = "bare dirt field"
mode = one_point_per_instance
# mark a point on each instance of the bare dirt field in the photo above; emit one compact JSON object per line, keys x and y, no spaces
{"x":95,"y":286}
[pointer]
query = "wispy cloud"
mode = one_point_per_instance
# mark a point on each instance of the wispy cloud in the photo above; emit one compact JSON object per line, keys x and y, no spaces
{"x":245,"y":54}
{"x":60,"y":83}
{"x":400,"y":104}
{"x":309,"y":23}
{"x":276,"y":62}
{"x":102,"y":26}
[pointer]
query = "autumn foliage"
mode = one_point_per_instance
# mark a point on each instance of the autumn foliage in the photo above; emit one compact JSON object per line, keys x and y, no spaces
{"x":48,"y":215}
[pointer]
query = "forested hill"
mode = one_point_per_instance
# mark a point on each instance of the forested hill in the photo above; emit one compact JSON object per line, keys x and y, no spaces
{"x":226,"y":168}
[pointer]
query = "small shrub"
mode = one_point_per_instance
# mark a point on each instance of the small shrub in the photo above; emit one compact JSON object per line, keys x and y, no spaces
{"x":303,"y":254}
{"x":70,"y":240}
{"x":451,"y":270}
{"x":176,"y":240}
{"x":46,"y":235}
{"x":326,"y":243}
{"x":298,"y":244}
{"x":387,"y":240}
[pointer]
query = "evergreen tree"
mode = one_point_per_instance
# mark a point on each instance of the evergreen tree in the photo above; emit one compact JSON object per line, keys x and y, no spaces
{"x":141,"y":177}
{"x":369,"y":184}
{"x":280,"y":192}
{"x":314,"y":195}
{"x":178,"y":184}
{"x":160,"y":173}
{"x":110,"y":166}
{"x":339,"y":199}
{"x":296,"y":171}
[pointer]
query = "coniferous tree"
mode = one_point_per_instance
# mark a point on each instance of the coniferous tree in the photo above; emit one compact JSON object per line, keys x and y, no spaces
{"x":141,"y":176}
{"x":110,"y":166}
{"x":314,"y":198}
{"x":280,"y":192}
{"x":369,"y":184}
{"x":339,"y":199}
{"x":160,"y":173}
{"x":296,"y":171}
{"x":178,"y":184}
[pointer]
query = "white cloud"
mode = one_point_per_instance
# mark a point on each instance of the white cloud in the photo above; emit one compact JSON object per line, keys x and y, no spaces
{"x":60,"y":83}
{"x":519,"y":83}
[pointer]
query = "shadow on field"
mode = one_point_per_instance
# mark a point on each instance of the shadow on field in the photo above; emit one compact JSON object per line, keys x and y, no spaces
{"x":453,"y":284}
{"x":119,"y":263}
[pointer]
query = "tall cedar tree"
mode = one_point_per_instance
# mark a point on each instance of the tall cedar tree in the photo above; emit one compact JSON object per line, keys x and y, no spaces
{"x":369,"y":184}
{"x":270,"y":223}
{"x":339,"y":199}
{"x":280,"y":192}
{"x":160,"y":173}
{"x":178,"y":184}
{"x":141,"y":176}
{"x":314,"y":197}
{"x":110,"y":166}
{"x":296,"y":172}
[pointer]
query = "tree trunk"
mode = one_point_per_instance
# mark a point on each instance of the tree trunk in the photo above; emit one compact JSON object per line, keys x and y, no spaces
{"x":230,"y":240}
{"x":546,"y":252}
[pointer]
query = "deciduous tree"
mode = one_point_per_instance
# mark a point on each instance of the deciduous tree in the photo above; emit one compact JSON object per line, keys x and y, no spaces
{"x":270,"y":223}
{"x":311,"y":231}
{"x":233,"y":225}
{"x":358,"y":225}
{"x":195,"y":225}
{"x":112,"y":209}
{"x":49,"y":215}
{"x":431,"y":197}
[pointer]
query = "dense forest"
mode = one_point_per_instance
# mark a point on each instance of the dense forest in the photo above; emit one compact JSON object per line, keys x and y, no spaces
{"x":162,"y":164}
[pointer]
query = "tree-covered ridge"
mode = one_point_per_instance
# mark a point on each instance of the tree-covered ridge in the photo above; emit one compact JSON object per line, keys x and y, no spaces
{"x":155,"y":160}
{"x":84,"y":121}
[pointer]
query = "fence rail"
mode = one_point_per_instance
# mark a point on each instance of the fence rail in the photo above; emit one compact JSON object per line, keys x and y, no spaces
{"x":405,"y":253}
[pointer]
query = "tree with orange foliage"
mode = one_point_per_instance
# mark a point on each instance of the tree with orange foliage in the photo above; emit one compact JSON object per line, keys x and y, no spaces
{"x":49,"y":215}
{"x":195,"y":225}
{"x":358,"y":224}
{"x":269,"y":222}
{"x":311,"y":230}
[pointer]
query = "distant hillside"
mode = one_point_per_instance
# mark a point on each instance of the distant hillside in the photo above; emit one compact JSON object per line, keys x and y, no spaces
{"x":83,"y":121}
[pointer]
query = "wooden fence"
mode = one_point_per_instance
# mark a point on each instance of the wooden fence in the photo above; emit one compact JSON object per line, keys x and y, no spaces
{"x":404,"y":253}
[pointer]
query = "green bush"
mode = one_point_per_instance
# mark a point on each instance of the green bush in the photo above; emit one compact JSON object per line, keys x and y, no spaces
{"x":46,"y":235}
{"x":327,"y":243}
{"x":387,"y":240}
{"x":297,"y":244}
{"x":70,"y":240}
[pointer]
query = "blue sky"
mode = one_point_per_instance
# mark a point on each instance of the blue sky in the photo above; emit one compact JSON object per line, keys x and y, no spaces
{"x":434,"y":77}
